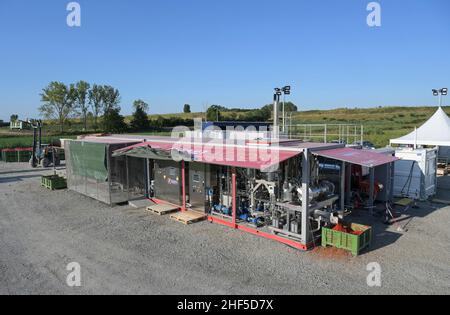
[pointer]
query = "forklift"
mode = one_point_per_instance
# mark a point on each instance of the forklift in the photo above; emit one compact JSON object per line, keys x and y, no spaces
{"x":42,"y":156}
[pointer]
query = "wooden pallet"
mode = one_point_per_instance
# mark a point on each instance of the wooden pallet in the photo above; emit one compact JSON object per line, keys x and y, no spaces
{"x":188,"y":217}
{"x":140,"y":203}
{"x":162,"y":209}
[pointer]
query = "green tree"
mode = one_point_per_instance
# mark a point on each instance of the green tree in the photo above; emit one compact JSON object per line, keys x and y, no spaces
{"x":14,"y":118}
{"x":113,"y":121}
{"x":82,"y":91}
{"x":58,"y":102}
{"x":288,"y":107}
{"x":187,"y":108}
{"x":140,"y":104}
{"x":96,"y":102}
{"x":111,"y":98}
{"x":213,"y":113}
{"x":140,"y":117}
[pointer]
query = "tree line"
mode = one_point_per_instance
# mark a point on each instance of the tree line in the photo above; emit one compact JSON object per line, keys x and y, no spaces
{"x":221,"y":113}
{"x":101,"y":104}
{"x":61,"y":102}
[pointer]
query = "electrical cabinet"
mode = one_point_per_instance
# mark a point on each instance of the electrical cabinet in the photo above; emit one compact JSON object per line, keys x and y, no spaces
{"x":168,"y":181}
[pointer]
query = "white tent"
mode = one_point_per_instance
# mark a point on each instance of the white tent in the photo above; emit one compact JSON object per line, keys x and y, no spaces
{"x":435,"y":132}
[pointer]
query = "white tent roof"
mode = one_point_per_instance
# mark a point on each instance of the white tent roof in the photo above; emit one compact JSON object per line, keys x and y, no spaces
{"x":435,"y":132}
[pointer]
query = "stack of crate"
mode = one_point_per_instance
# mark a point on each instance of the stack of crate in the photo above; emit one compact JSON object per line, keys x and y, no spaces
{"x":24,"y":154}
{"x":16,"y":155}
{"x":9,"y":155}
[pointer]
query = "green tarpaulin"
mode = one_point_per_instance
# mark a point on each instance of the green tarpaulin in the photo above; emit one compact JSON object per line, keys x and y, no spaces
{"x":89,"y":160}
{"x":147,"y":153}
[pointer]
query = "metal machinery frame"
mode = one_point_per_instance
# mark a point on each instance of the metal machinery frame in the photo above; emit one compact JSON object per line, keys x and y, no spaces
{"x":265,"y":204}
{"x":275,"y":204}
{"x":36,"y":126}
{"x":309,"y":189}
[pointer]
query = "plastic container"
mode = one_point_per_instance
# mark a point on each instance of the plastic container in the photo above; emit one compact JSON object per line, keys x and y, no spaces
{"x":53,"y":182}
{"x":352,"y":242}
{"x":24,"y":154}
{"x":9,"y":155}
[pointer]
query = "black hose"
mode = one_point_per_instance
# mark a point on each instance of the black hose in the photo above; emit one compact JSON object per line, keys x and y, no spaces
{"x":409,"y":180}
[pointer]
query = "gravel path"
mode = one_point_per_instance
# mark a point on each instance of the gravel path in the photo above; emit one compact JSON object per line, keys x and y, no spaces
{"x":127,"y":251}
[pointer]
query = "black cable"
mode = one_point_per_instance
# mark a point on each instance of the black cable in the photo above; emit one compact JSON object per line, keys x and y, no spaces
{"x":409,"y":180}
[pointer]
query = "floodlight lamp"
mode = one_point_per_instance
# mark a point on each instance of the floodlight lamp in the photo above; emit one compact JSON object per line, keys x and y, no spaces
{"x":278,"y":91}
{"x":444,"y":91}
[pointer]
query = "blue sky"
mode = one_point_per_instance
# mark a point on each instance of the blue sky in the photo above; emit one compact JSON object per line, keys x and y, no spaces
{"x":227,"y":52}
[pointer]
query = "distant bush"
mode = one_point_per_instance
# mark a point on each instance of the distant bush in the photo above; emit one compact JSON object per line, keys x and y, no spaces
{"x":160,"y":122}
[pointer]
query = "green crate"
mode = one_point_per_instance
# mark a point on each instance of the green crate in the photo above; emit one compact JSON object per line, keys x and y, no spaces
{"x":24,"y":156}
{"x":54,"y":182}
{"x":9,"y":156}
{"x":350,"y":242}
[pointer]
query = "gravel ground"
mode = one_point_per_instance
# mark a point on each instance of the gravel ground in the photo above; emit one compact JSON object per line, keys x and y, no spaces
{"x":127,"y":251}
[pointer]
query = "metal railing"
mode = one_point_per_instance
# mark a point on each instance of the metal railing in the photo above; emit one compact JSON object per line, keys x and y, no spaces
{"x":342,"y":133}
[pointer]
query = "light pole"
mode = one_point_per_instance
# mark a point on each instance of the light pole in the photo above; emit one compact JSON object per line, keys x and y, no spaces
{"x":286,"y":91}
{"x":440,"y":93}
{"x":276,"y":111}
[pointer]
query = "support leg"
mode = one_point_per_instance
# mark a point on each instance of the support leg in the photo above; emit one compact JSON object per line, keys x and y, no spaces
{"x":233,"y":183}
{"x":343,"y":179}
{"x":183,"y":184}
{"x":147,"y":178}
{"x":372,"y":190}
{"x":348,"y":185}
{"x":306,"y":235}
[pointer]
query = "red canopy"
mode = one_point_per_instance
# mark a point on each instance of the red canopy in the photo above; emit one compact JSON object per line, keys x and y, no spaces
{"x":258,"y":157}
{"x":359,"y":157}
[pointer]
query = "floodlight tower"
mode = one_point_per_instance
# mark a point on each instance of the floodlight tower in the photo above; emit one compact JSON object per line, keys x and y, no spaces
{"x":276,"y":110}
{"x":440,"y":92}
{"x":276,"y":107}
{"x":286,"y":91}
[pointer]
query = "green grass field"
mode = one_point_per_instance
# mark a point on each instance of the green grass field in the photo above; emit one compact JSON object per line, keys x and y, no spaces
{"x":27,"y":141}
{"x":380,"y":124}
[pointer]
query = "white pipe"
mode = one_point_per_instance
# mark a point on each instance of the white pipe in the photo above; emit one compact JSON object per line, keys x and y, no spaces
{"x":415,"y":139}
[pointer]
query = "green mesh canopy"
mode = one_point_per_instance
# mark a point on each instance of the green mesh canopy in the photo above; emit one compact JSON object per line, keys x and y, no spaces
{"x":89,"y":160}
{"x":146,"y":152}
